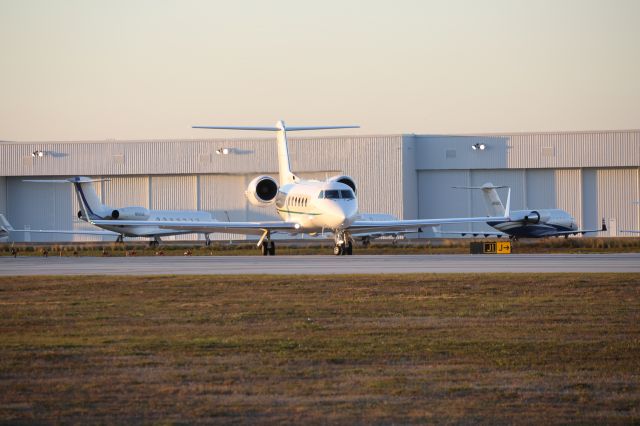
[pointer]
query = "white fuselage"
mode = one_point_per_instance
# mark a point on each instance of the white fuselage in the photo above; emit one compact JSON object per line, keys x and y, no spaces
{"x":164,"y":215}
{"x":317,"y":206}
{"x":92,"y":209}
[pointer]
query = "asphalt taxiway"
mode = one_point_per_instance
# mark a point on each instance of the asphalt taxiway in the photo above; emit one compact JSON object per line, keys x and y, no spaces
{"x":364,"y":264}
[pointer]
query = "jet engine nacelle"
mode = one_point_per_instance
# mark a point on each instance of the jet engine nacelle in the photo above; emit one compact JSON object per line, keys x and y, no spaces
{"x":262,"y":191}
{"x":347,"y":180}
{"x":130,"y":213}
{"x":531,"y":216}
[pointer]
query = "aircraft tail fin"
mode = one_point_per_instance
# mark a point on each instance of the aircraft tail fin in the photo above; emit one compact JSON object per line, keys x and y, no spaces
{"x":284,"y":165}
{"x":90,"y":205}
{"x":492,"y":199}
{"x":507,"y":211}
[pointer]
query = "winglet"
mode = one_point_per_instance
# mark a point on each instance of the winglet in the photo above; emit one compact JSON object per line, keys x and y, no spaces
{"x":5,"y":223}
{"x":507,"y":210}
{"x":604,"y":225}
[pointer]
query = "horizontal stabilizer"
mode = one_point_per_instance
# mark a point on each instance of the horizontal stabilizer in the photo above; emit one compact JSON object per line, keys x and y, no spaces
{"x":275,"y":128}
{"x":480,"y":187}
{"x":295,"y":129}
{"x":264,"y":129}
{"x":76,"y":179}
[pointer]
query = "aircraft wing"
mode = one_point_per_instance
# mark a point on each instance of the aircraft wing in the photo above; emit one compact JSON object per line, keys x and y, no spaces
{"x":373,"y":226}
{"x":474,"y":233}
{"x":255,"y":228}
{"x":581,"y":231}
{"x":60,"y":231}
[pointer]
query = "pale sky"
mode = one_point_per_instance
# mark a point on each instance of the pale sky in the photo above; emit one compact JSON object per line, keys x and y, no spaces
{"x":146,"y":69}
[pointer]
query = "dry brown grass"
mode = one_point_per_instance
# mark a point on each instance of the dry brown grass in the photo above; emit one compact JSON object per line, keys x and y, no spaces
{"x":344,"y":349}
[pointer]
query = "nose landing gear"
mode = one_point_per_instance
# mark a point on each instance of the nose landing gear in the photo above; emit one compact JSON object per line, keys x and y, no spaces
{"x":344,"y":244}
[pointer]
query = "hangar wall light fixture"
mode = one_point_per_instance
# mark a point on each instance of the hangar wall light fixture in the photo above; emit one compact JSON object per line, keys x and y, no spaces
{"x":223,"y":151}
{"x":478,"y":147}
{"x":37,"y":154}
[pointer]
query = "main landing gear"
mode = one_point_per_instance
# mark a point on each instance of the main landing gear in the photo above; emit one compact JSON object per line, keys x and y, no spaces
{"x":207,"y":240}
{"x":155,"y":242}
{"x":267,"y":247}
{"x":344,"y":244}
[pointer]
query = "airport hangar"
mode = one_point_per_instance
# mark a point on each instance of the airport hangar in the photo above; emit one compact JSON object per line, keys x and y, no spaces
{"x":589,"y":174}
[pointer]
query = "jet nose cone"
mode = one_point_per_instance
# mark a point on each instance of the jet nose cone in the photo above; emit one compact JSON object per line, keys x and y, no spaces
{"x":340,"y":216}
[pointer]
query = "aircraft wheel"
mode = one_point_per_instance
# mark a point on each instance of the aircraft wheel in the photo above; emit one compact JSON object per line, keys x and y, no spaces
{"x":264,"y":248}
{"x":349,"y":249}
{"x":337,"y":250}
{"x":272,"y":248}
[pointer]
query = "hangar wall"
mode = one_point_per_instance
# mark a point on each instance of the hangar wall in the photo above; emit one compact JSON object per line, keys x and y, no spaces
{"x":373,"y":161}
{"x":589,"y":174}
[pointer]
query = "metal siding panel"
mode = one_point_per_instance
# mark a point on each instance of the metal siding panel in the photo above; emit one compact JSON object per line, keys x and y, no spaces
{"x":39,"y":206}
{"x":541,"y":192}
{"x":126,"y":191}
{"x":568,"y":191}
{"x":374,"y":162}
{"x":223,"y":196}
{"x":173,"y":193}
{"x":590,"y":198}
{"x":617,"y":188}
{"x":436,"y":198}
{"x":409,"y":179}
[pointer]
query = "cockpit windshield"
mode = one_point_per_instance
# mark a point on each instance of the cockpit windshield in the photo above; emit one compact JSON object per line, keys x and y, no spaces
{"x":332,"y":194}
{"x":336,"y":194}
{"x":347,"y":194}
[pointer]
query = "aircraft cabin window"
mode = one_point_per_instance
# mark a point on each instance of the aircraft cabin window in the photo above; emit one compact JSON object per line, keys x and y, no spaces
{"x":347,"y":194}
{"x":332,"y":194}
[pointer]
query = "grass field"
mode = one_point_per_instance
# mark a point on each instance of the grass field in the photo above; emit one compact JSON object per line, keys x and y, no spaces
{"x":304,"y":349}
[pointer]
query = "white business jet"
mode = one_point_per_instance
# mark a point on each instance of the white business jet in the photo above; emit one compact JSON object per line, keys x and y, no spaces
{"x":305,"y":206}
{"x":91,"y":208}
{"x":537,"y":223}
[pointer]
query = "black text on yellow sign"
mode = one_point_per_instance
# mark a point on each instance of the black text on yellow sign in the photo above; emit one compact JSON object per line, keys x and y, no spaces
{"x":490,"y":247}
{"x":497,"y":247}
